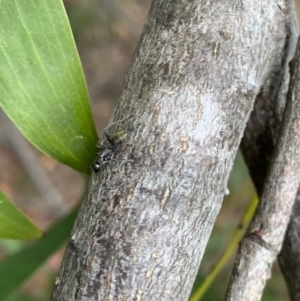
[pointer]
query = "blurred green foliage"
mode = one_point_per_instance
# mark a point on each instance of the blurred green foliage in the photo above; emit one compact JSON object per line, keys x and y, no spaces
{"x":17,"y":268}
{"x":14,"y":224}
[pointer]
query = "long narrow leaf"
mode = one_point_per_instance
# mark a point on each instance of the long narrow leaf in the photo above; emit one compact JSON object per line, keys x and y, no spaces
{"x":42,"y":87}
{"x":16,"y":269}
{"x":14,"y":224}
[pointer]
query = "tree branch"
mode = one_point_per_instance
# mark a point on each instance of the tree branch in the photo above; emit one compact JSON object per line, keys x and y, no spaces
{"x":143,"y":227}
{"x":258,"y":145}
{"x":262,"y":243}
{"x":290,"y":253}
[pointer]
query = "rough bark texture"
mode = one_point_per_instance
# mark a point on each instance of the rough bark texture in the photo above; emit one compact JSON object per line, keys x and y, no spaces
{"x":257,"y":147}
{"x":289,"y":257}
{"x":290,"y":254}
{"x":262,"y":129}
{"x":143,"y":227}
{"x":262,"y":243}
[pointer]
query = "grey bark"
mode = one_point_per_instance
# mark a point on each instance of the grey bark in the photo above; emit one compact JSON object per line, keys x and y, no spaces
{"x":290,"y":253}
{"x":260,"y":246}
{"x":258,"y":145}
{"x":144,"y":224}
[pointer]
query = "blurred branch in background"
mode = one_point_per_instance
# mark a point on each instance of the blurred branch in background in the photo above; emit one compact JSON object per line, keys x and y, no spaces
{"x":33,"y":168}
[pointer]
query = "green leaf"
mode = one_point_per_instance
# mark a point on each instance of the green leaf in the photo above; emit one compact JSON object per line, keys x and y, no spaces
{"x":16,"y":269}
{"x":23,"y":297}
{"x":42,"y":86}
{"x":14,"y":224}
